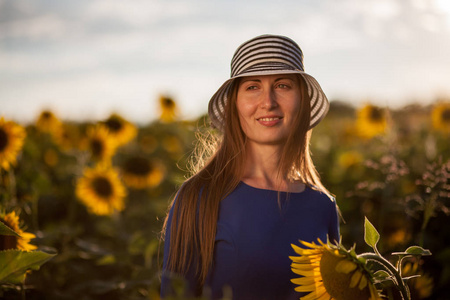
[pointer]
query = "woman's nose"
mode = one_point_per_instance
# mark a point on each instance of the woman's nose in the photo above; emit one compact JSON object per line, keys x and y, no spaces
{"x":268,"y":100}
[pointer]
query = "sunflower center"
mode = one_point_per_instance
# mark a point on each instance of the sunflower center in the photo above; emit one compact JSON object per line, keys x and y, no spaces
{"x":446,"y":115}
{"x":114,"y":124}
{"x":46,"y":115}
{"x":102,"y":187}
{"x":65,"y":135}
{"x":97,"y":147}
{"x":7,"y":241}
{"x":376,"y":114}
{"x":167,"y":102}
{"x":138,"y":165}
{"x":338,"y":284}
{"x":3,"y":140}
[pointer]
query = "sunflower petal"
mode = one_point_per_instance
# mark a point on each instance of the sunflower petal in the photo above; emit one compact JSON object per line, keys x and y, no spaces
{"x":317,"y":294}
{"x":362,"y":283}
{"x":310,"y":245}
{"x":306,"y":272}
{"x":304,"y":280}
{"x":345,"y":266}
{"x":356,"y":277}
{"x":306,"y":258}
{"x":303,"y":251}
{"x":325,"y":296}
{"x":304,"y":266}
{"x":305,"y":288}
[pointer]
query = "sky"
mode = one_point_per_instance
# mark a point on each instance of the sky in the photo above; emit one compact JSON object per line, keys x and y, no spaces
{"x":86,"y":59}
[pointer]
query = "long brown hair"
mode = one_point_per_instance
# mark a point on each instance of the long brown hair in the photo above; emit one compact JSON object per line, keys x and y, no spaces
{"x":196,"y":205}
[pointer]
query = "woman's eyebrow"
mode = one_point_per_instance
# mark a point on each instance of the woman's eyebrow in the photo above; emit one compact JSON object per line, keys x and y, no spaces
{"x":283,"y":78}
{"x":250,"y":79}
{"x":258,"y":80}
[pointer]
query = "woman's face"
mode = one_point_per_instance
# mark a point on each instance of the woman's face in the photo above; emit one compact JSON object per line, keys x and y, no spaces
{"x":267,"y":107}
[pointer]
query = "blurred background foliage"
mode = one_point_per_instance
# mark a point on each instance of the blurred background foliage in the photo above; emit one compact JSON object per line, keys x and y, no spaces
{"x":96,"y":193}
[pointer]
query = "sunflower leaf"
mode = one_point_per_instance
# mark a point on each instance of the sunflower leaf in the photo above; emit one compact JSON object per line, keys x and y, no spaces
{"x":381,"y":275}
{"x":414,"y":250}
{"x":371,"y":235}
{"x":14,"y":264}
{"x":5,"y":230}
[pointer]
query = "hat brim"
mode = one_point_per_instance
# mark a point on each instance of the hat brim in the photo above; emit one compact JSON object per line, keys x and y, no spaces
{"x":318,"y":100}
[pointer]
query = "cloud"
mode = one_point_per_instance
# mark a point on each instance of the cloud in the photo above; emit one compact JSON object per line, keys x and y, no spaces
{"x":46,"y":26}
{"x":139,"y":12}
{"x":101,"y":54}
{"x":10,"y":9}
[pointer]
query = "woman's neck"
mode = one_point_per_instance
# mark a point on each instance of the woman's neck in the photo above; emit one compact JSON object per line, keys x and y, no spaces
{"x":261,"y":169}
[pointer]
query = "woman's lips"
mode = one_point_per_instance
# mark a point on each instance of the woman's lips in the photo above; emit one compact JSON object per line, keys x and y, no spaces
{"x":269,"y":121}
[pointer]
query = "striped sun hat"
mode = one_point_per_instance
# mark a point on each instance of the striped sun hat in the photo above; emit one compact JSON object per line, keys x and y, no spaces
{"x":268,"y":55}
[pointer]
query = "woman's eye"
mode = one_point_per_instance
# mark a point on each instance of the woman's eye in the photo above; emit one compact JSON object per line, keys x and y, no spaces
{"x":251,"y":87}
{"x":283,"y":86}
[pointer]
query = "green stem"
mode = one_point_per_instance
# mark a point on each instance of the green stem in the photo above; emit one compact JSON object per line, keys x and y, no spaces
{"x":404,"y":291}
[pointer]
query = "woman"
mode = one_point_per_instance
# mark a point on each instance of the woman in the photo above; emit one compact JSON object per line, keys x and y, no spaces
{"x":231,"y":225}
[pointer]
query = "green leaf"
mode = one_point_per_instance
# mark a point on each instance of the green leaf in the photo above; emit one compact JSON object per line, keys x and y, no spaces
{"x":414,"y":250}
{"x":381,"y":276}
{"x":371,"y":235}
{"x":417,"y":250}
{"x":5,"y":230}
{"x":14,"y":264}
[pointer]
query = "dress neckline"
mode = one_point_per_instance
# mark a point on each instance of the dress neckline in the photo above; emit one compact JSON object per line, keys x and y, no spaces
{"x":269,"y":190}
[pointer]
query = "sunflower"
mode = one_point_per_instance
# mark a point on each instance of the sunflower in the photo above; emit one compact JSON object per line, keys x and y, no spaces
{"x":349,"y":159}
{"x":168,"y":109}
{"x":172,"y":144}
{"x":331,"y":273}
{"x":68,"y":137}
{"x":100,"y":144}
{"x":51,"y":157}
{"x":120,"y":129}
{"x":48,"y":122}
{"x":20,"y":242}
{"x":371,"y":121}
{"x":440,"y":117}
{"x":140,"y":172}
{"x":11,"y":141}
{"x":101,"y":190}
{"x":148,"y":143}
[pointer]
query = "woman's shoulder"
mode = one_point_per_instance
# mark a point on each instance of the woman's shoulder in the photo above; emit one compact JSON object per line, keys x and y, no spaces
{"x":319,"y":196}
{"x":320,"y":193}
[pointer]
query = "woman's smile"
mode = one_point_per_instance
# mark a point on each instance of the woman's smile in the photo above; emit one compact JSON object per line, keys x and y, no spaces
{"x":269,"y":121}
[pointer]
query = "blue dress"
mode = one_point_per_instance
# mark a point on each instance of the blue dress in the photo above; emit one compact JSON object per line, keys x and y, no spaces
{"x":253,"y":241}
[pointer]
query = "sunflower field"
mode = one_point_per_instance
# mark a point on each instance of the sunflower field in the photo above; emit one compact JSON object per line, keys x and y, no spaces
{"x":82,"y":204}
